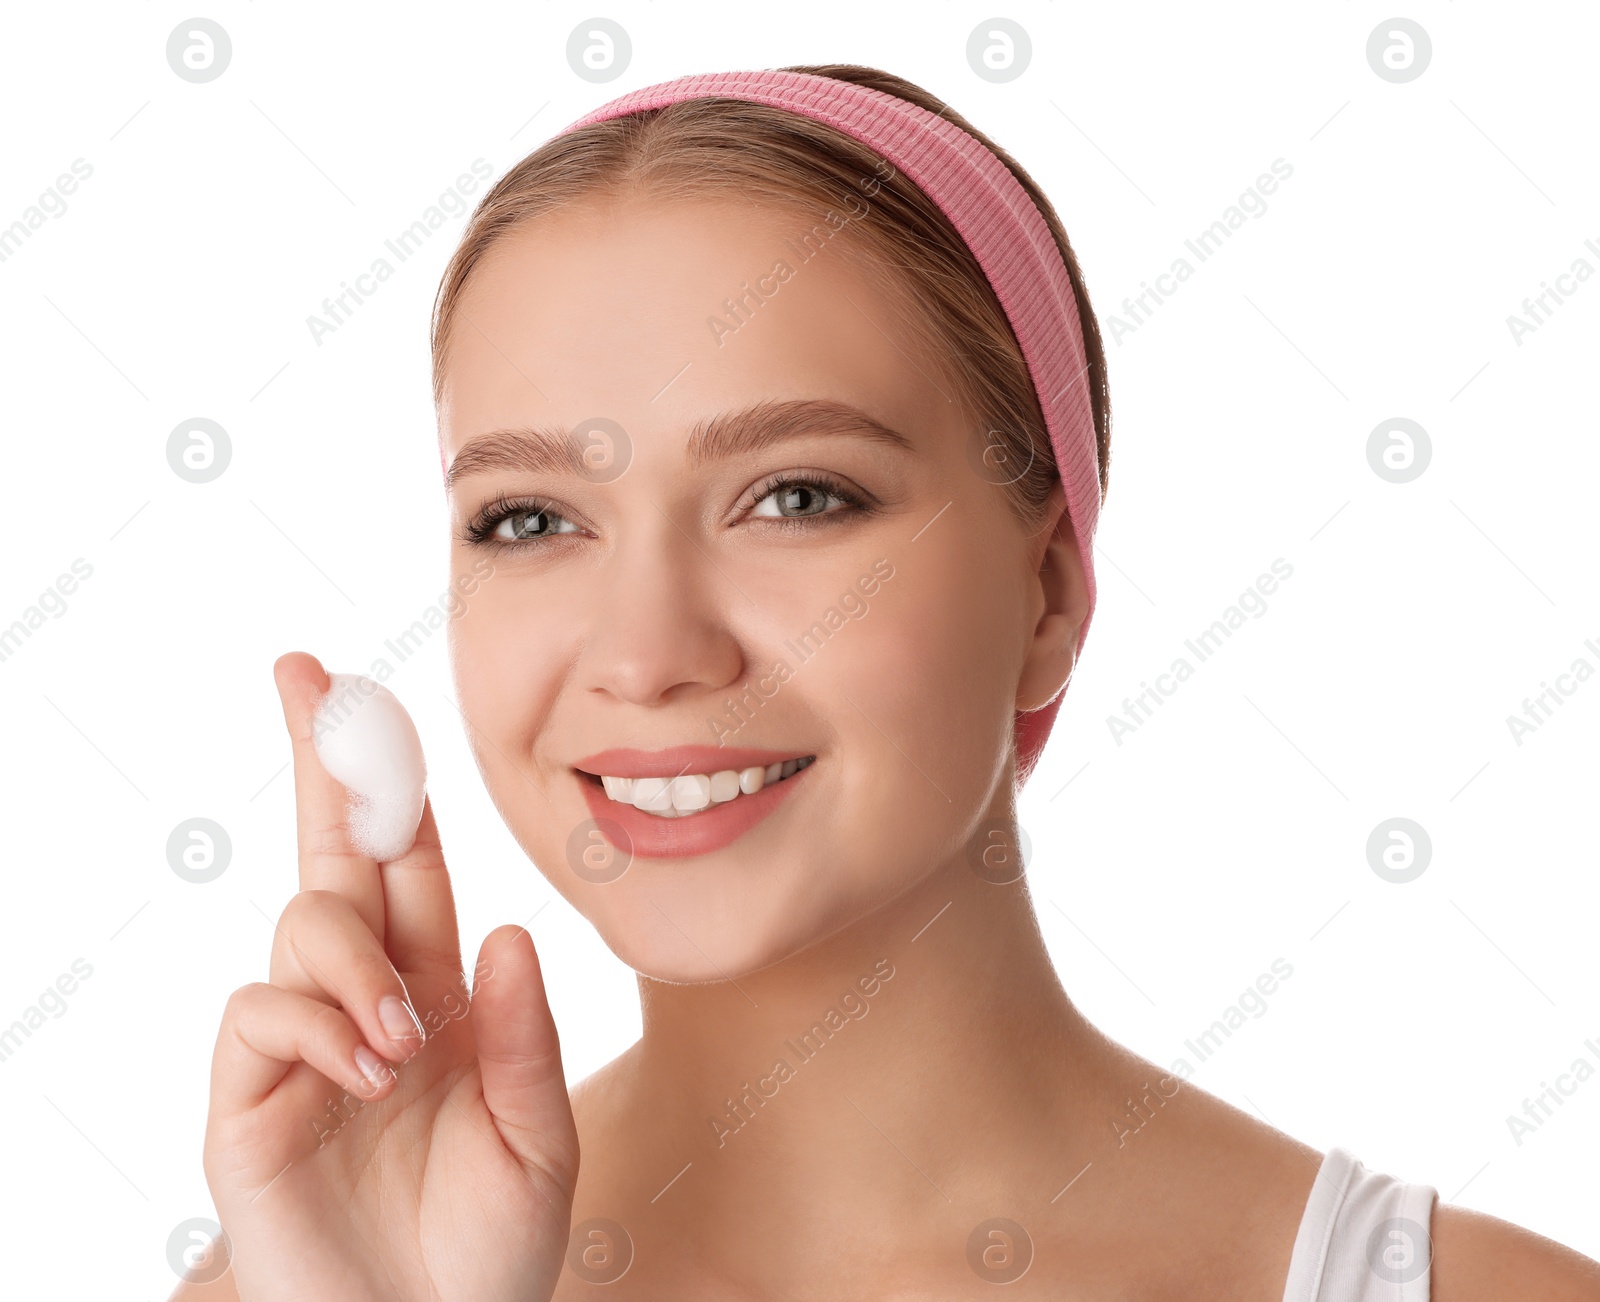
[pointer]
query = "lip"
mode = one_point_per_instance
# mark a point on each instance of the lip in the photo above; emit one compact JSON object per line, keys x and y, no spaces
{"x":713,"y":828}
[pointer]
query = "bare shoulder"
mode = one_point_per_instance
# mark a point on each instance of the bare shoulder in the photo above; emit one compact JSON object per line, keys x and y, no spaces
{"x":221,"y":1289}
{"x":604,"y":1105}
{"x":1480,"y":1258}
{"x":599,"y":1093}
{"x":1227,"y":1189}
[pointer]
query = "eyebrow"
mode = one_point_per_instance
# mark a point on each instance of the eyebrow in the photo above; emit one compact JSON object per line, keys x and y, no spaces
{"x":558,"y":450}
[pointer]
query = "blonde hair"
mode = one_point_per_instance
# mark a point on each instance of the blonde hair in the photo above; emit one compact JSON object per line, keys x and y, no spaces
{"x":723,"y":145}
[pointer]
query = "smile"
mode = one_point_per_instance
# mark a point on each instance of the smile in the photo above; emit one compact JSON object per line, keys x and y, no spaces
{"x":689,"y":793}
{"x":680,"y":802}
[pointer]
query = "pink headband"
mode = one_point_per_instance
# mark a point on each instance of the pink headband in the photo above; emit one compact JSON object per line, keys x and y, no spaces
{"x":1006,"y":233}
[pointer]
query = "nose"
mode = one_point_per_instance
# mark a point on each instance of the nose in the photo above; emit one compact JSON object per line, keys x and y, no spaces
{"x":660,"y":630}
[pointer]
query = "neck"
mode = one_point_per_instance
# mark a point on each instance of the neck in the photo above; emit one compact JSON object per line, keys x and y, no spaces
{"x":930,"y":1044}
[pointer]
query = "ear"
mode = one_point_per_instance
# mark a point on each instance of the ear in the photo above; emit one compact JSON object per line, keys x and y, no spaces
{"x":1060,"y":604}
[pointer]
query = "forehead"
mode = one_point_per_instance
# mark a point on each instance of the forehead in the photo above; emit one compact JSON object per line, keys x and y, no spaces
{"x":658,"y":314}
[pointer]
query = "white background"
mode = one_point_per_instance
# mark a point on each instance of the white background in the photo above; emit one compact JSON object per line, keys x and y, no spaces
{"x":1169,"y":870}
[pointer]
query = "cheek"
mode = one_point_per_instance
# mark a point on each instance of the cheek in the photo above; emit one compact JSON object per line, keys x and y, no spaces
{"x":508,"y":669}
{"x":921,"y":689}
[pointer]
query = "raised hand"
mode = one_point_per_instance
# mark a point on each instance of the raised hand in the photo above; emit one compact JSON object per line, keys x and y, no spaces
{"x":376,"y":1131}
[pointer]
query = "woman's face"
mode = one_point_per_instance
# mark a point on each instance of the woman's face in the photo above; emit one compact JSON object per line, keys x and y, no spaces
{"x":775,"y":539}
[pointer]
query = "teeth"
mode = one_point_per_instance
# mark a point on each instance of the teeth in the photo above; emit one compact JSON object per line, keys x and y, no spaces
{"x":652,"y":794}
{"x":689,"y":793}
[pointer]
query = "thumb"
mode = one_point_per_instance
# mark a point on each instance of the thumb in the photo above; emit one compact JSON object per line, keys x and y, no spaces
{"x":519,"y":1056}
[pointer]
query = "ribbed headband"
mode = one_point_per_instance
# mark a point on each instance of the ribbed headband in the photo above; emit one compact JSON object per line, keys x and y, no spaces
{"x":1007,"y":235}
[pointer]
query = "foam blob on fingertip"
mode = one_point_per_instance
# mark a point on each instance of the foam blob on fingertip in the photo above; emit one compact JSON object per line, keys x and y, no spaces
{"x":366,"y":740}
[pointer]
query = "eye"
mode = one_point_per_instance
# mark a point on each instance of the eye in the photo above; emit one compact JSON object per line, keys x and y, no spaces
{"x":508,"y":523}
{"x":801,"y":497}
{"x":518,"y":525}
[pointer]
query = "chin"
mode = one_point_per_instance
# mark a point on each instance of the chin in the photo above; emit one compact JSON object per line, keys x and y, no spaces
{"x":685,"y":928}
{"x":669,"y":935}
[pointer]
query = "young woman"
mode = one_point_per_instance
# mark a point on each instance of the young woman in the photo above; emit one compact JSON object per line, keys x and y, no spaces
{"x":774,"y":418}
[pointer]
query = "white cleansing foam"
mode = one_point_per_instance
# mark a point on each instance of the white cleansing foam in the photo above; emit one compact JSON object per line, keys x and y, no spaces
{"x":366,"y":740}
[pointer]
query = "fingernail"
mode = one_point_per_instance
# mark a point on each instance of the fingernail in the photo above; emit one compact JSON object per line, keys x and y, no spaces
{"x":399,"y":1022}
{"x":371,"y":1066}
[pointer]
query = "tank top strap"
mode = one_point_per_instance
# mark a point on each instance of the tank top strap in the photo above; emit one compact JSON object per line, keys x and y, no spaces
{"x":1365,"y":1237}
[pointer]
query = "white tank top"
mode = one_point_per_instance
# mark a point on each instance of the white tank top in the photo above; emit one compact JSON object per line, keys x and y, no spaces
{"x":1365,"y":1237}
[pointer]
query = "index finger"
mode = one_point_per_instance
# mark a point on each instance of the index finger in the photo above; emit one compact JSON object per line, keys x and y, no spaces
{"x":329,"y":859}
{"x":421,"y":905}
